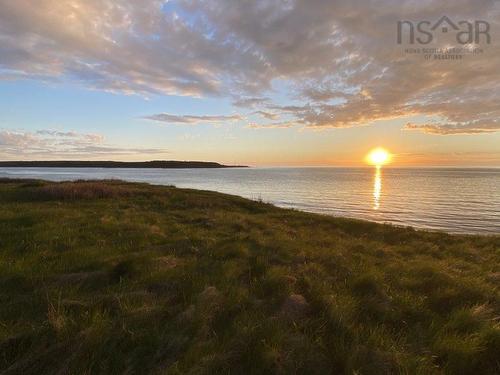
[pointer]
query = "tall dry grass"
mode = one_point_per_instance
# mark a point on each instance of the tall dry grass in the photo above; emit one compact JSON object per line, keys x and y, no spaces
{"x":81,"y":190}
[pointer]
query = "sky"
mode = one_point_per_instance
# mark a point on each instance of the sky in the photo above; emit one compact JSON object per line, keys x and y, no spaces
{"x":261,"y":83}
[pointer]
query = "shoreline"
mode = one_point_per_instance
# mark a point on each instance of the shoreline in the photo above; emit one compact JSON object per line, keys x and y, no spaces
{"x":294,"y":207}
{"x":287,"y":205}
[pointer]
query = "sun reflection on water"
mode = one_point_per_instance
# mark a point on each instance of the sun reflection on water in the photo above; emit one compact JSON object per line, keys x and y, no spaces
{"x":377,"y":187}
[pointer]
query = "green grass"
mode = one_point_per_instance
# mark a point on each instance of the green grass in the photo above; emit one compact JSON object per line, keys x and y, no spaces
{"x":113,"y":277}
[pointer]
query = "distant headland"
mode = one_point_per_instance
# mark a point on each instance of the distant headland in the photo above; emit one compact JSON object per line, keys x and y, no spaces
{"x":115,"y":164}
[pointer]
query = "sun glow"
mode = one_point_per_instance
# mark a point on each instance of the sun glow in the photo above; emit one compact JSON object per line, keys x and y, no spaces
{"x":378,"y":157}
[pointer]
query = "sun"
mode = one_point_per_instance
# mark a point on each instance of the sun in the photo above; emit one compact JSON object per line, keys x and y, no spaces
{"x":378,"y":156}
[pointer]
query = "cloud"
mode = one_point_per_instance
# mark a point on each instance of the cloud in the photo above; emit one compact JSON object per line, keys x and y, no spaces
{"x":250,"y":102}
{"x":267,"y":115}
{"x":18,"y":144}
{"x":278,"y":125}
{"x":473,"y":127}
{"x":94,"y":138}
{"x":117,"y":45}
{"x":192,"y":119}
{"x":337,"y":62}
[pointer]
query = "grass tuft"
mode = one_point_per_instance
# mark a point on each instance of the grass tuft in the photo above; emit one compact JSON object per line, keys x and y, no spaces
{"x":79,"y":190}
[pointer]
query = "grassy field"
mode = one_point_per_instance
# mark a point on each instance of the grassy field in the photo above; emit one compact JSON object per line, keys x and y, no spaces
{"x":121,"y":278}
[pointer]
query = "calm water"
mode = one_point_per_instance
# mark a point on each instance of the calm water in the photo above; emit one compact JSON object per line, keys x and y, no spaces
{"x":454,"y":200}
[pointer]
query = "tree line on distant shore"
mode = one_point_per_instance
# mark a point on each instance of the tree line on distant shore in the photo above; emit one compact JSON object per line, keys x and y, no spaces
{"x":114,"y":164}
